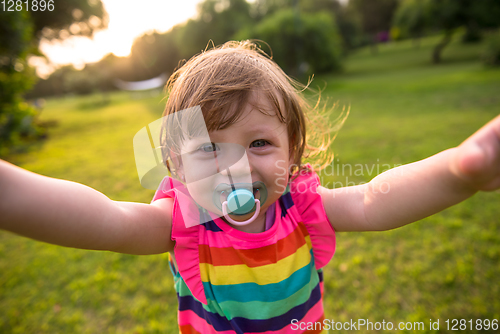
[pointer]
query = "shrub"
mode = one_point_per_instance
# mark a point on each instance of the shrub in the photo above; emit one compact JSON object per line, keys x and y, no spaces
{"x":16,"y":116}
{"x":491,"y":53}
{"x":302,"y":43}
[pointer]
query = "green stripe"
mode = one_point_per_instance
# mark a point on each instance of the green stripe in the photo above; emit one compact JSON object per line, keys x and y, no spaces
{"x":183,"y":290}
{"x":287,"y":190}
{"x":257,"y":310}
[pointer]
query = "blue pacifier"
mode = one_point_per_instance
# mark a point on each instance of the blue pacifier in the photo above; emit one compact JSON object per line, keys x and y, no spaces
{"x":240,"y":199}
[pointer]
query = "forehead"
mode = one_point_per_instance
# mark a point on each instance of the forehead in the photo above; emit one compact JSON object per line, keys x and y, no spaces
{"x":258,"y":117}
{"x":229,"y":109}
{"x":260,"y":109}
{"x":254,"y":123}
{"x":259,"y":113}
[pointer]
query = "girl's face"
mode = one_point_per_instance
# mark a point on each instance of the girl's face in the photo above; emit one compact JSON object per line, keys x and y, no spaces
{"x":264,"y":139}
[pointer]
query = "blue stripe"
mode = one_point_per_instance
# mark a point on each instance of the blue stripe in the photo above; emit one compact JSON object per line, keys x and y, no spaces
{"x":247,"y":292}
{"x":219,"y":323}
{"x":286,"y":203}
{"x":211,"y":226}
{"x":237,"y":324}
{"x":207,"y":221}
{"x":320,"y":274}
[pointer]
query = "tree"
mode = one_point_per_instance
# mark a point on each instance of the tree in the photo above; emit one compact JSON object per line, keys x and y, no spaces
{"x":20,"y":35}
{"x":376,"y":16}
{"x":217,"y":21}
{"x":69,"y":17}
{"x":347,"y":21}
{"x":302,"y":43}
{"x":452,"y":14}
{"x":151,"y":55}
{"x":15,"y":77}
{"x":491,"y":54}
{"x":261,"y":8}
{"x":412,"y":17}
{"x":447,"y":16}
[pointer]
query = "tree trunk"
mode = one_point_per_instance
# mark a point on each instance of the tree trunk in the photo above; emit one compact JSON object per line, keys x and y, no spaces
{"x":438,"y":49}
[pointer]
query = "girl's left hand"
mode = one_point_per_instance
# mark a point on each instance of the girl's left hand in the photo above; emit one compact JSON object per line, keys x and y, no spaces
{"x":477,"y":159}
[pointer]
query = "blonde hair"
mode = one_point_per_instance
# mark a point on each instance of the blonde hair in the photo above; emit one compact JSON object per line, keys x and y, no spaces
{"x":221,"y":81}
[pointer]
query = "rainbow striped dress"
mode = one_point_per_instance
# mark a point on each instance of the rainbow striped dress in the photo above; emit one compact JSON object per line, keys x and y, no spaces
{"x":229,"y":281}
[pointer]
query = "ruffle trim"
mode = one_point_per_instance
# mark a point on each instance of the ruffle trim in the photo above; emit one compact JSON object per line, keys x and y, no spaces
{"x":186,"y":239}
{"x":309,"y":206}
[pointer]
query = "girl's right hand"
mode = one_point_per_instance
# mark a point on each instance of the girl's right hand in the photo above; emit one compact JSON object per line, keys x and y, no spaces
{"x":477,"y":159}
{"x":73,"y":215}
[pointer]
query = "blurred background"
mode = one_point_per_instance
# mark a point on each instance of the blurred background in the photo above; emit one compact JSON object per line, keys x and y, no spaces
{"x":79,"y":78}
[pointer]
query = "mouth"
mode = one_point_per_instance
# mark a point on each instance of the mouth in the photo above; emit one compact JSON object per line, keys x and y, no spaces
{"x":223,"y":190}
{"x":227,"y":189}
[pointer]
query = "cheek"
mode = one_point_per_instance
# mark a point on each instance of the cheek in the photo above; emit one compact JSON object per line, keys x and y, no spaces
{"x":202,"y":194}
{"x":278,"y":182}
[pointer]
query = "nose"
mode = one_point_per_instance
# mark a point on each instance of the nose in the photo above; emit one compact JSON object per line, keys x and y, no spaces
{"x":240,"y":171}
{"x":239,"y":167}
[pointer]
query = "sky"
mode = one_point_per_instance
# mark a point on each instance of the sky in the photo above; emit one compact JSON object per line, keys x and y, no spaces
{"x":128,"y":19}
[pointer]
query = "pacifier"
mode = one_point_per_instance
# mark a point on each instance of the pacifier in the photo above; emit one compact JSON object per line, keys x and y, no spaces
{"x":240,"y":199}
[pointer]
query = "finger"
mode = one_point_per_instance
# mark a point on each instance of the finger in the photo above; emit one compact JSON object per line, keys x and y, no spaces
{"x":490,"y":130}
{"x":493,"y":185}
{"x":482,"y":149}
{"x":472,"y":160}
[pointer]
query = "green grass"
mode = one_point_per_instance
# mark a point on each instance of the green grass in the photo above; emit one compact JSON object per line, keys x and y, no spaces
{"x":403,"y":109}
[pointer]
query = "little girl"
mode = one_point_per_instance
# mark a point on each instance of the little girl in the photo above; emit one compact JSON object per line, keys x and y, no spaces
{"x":247,"y":240}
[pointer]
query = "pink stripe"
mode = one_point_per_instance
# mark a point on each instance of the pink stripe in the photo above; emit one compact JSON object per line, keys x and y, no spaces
{"x":188,"y":317}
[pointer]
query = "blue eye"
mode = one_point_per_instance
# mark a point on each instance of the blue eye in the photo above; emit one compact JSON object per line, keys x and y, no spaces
{"x":259,"y":143}
{"x":209,"y":147}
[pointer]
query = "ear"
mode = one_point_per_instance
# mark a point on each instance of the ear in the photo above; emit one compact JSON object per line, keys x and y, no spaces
{"x":291,"y":158}
{"x":291,"y":153}
{"x":292,"y":166}
{"x":291,"y":148}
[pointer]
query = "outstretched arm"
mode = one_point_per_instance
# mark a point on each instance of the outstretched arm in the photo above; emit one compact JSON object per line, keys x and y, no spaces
{"x":411,"y":192}
{"x":71,"y":214}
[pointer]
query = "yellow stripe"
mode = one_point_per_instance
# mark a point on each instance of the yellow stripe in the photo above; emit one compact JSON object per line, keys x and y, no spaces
{"x":267,"y":274}
{"x":308,"y":241}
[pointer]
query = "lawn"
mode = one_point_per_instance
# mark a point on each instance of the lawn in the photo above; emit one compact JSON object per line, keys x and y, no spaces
{"x":402,"y":109}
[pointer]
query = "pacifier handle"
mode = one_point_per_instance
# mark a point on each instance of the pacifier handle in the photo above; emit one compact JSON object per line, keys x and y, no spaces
{"x":243,"y":223}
